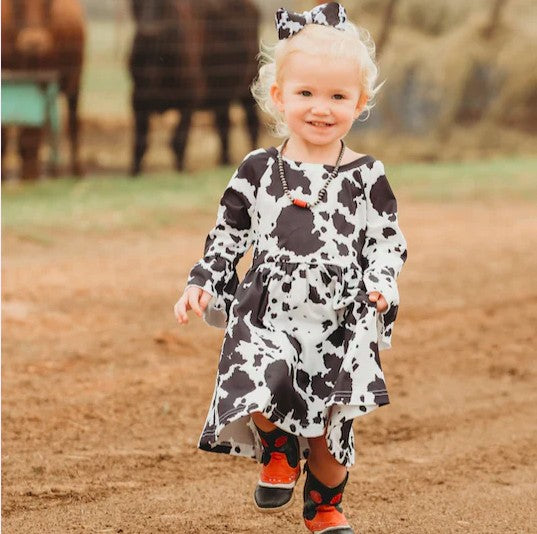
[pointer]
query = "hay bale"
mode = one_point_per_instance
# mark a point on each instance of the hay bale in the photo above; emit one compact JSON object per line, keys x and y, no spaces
{"x":459,"y":78}
{"x":435,"y":18}
{"x":515,"y":104}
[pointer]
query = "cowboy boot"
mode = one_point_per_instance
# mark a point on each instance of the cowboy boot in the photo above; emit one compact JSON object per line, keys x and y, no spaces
{"x":281,"y":469}
{"x":322,"y":506}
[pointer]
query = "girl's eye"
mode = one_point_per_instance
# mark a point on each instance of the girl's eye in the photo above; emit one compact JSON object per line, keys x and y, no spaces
{"x":338,"y":97}
{"x":305,"y":93}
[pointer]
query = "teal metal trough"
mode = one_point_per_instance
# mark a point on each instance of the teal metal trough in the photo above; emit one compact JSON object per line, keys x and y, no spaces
{"x":30,"y":98}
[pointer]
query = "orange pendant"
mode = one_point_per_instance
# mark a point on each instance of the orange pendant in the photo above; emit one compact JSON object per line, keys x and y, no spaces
{"x":300,"y":203}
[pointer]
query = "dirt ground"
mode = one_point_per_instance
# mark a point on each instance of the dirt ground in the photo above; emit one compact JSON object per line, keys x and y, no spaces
{"x":104,"y":396}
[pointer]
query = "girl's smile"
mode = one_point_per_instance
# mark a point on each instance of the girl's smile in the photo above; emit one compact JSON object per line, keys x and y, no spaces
{"x":320,"y":124}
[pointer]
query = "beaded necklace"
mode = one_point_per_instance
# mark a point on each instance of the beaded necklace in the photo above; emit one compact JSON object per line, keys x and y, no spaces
{"x":322,"y":192}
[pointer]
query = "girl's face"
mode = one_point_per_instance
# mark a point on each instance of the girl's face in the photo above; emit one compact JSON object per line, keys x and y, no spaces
{"x":319,"y":97}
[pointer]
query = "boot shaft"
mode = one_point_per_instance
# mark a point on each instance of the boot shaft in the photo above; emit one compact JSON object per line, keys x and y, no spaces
{"x":322,"y":505}
{"x":279,"y":441}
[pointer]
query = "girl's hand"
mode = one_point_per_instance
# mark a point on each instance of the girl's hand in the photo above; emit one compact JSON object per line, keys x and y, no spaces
{"x":193,"y":298}
{"x":382,"y":305}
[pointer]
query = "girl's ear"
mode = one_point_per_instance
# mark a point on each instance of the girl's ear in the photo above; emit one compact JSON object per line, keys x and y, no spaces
{"x":276,"y":95}
{"x":362,"y":101}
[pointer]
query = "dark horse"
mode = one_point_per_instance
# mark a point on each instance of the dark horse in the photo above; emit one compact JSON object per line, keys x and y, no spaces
{"x":188,"y":55}
{"x":43,"y":35}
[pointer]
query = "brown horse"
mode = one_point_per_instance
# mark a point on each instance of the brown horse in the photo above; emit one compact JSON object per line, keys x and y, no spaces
{"x":42,"y":35}
{"x":188,"y":55}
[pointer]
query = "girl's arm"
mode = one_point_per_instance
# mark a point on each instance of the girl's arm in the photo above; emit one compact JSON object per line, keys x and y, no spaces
{"x":226,"y":243}
{"x":385,"y":249}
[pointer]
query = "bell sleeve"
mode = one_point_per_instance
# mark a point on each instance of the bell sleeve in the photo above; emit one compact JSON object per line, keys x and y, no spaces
{"x":226,"y":243}
{"x":385,"y":248}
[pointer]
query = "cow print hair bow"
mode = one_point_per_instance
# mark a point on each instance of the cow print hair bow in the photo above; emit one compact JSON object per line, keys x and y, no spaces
{"x":289,"y":23}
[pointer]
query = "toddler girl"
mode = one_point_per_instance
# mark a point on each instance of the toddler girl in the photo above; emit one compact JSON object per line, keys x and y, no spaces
{"x":303,"y":330}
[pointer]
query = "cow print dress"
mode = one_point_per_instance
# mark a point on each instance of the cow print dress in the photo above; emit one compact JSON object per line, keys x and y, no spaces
{"x":302,"y":339}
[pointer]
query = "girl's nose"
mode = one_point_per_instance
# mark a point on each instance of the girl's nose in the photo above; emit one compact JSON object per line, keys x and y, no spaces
{"x":320,"y":108}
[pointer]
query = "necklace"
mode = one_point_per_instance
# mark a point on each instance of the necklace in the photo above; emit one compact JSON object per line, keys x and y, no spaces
{"x":322,"y":192}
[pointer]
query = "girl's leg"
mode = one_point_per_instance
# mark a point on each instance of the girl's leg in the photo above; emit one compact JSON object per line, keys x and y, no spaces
{"x":262,"y":422}
{"x":323,"y":465}
{"x":323,"y":490}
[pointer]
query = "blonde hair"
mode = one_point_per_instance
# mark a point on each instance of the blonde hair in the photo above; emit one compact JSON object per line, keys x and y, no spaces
{"x":352,"y":42}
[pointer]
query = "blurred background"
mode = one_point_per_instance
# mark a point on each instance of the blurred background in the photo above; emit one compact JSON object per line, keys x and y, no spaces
{"x":460,"y":81}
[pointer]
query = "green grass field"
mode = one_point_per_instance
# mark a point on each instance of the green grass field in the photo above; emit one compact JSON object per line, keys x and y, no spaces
{"x":112,"y":203}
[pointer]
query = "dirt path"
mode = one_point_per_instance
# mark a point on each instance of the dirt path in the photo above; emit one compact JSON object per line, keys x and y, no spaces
{"x":104,"y":396}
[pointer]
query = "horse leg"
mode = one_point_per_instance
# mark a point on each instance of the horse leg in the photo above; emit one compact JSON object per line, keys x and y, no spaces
{"x":29,"y":143}
{"x":180,"y":137}
{"x":222,"y":124}
{"x":252,"y":119}
{"x":72,"y":101}
{"x":4,"y":146}
{"x":141,"y":125}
